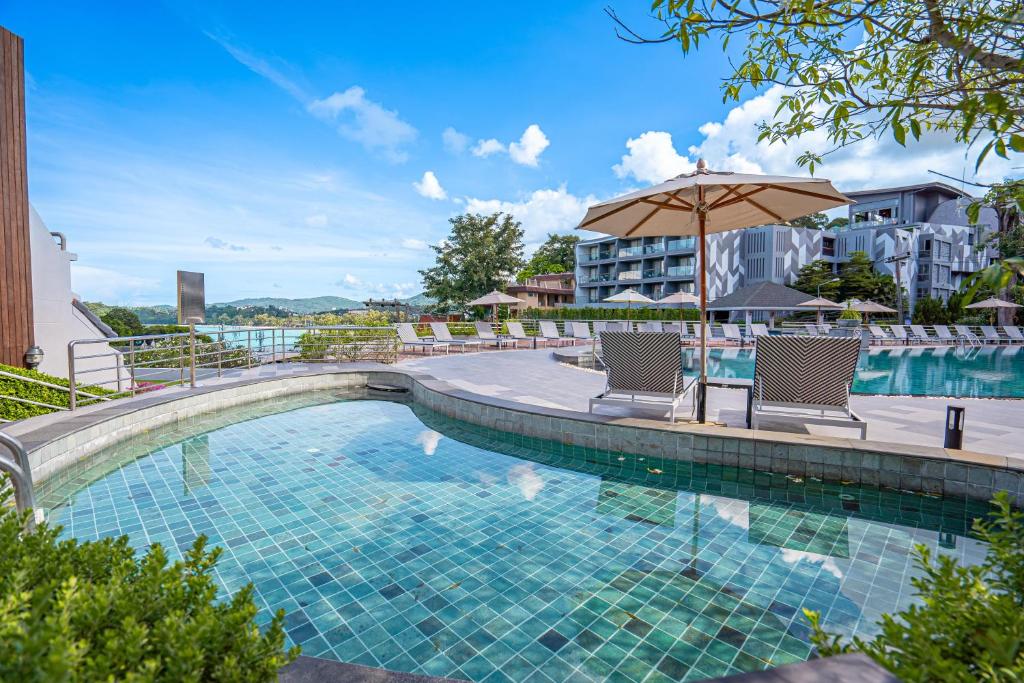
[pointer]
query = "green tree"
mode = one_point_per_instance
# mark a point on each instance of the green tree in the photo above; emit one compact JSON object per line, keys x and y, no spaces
{"x":123,"y":322}
{"x":819,"y":221}
{"x":968,"y":624}
{"x":556,"y":255}
{"x":857,"y":69}
{"x":96,"y":611}
{"x":929,"y":311}
{"x":480,"y":254}
{"x":817,"y":272}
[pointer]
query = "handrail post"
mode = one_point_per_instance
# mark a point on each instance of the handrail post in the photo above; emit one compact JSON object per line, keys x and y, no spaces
{"x":220,"y":353}
{"x":192,"y":354}
{"x":248,"y":349}
{"x":72,"y":389}
{"x":21,"y":476}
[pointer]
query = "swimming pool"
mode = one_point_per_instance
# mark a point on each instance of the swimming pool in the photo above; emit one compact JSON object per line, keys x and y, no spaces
{"x":395,"y":537}
{"x":988,"y":372}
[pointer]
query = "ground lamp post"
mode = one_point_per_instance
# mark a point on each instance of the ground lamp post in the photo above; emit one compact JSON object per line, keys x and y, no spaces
{"x":710,"y":201}
{"x":629,"y":297}
{"x":992,"y":304}
{"x":495,"y":299}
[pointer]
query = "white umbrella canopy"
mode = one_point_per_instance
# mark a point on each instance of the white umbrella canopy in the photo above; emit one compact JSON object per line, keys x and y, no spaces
{"x":819,"y":303}
{"x":678,"y":299}
{"x":993,"y":302}
{"x":495,"y":299}
{"x":705,"y":202}
{"x":871,"y":307}
{"x":629,"y":297}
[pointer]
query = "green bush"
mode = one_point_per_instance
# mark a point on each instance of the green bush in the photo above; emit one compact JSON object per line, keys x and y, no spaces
{"x":94,"y":611}
{"x":342,"y":345}
{"x":929,"y":311}
{"x":969,"y":623}
{"x":123,"y":322}
{"x":14,"y":410}
{"x":669,"y":314}
{"x":849,"y":314}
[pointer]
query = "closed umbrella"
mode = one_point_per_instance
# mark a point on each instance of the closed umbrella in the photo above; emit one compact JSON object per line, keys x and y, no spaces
{"x":705,"y":202}
{"x":496,"y":299}
{"x":819,"y":303}
{"x":679,"y":299}
{"x":629,"y":297}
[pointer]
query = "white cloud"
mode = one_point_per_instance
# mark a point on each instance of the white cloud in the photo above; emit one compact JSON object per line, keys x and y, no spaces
{"x":317,"y":220}
{"x":485,"y":148}
{"x":652,"y":158}
{"x":430,"y":187}
{"x":827,"y":563}
{"x":732,"y":144}
{"x":543,"y":211}
{"x":366,"y":122}
{"x":414,"y":244}
{"x":351,"y":280}
{"x":454,"y":141}
{"x":102,"y":284}
{"x":260,"y":66}
{"x":218,"y":243}
{"x":528,"y":150}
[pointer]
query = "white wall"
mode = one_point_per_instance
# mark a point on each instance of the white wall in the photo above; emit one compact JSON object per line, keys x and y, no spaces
{"x":57,"y":322}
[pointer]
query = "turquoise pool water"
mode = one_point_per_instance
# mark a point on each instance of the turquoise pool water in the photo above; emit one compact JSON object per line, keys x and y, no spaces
{"x":393,"y":537}
{"x":989,"y":372}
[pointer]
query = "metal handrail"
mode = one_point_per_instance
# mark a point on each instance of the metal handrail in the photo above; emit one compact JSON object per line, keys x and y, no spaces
{"x":21,"y":475}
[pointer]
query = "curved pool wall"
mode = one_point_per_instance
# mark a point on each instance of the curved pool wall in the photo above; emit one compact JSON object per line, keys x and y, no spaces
{"x":57,"y":444}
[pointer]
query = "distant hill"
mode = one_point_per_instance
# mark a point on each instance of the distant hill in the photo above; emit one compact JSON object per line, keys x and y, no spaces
{"x":420,"y":300}
{"x":316,"y":304}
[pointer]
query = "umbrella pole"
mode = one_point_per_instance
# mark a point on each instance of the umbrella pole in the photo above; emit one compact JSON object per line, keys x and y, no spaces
{"x":702,"y":387}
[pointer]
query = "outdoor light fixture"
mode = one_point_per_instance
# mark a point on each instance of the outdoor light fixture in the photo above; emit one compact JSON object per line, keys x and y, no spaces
{"x":33,"y":357}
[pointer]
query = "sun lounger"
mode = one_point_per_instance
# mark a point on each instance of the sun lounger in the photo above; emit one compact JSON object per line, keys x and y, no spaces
{"x":992,"y":335}
{"x":944,"y":335}
{"x":900,"y":332}
{"x":732,"y":333}
{"x":516,"y":331}
{"x":922,"y":334}
{"x":879,"y":335}
{"x":549,"y":333}
{"x":644,"y":370}
{"x":580,"y":331}
{"x":807,"y":380}
{"x":811,"y":329}
{"x":758,"y":330}
{"x":443,"y":334}
{"x":965,"y":332}
{"x":599,"y":327}
{"x":485,"y":333}
{"x":675,"y":328}
{"x":1013,"y":333}
{"x":407,"y":335}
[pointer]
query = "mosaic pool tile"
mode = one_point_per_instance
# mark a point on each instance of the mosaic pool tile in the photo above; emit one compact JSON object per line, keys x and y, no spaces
{"x":395,"y":537}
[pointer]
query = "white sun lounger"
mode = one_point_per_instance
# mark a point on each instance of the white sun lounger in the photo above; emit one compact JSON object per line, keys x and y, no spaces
{"x":758,"y":330}
{"x":549,"y":333}
{"x":944,"y":335}
{"x":516,"y":331}
{"x":992,"y":335}
{"x":965,"y":332}
{"x":732,"y":333}
{"x":643,"y":370}
{"x":807,"y":380}
{"x":407,"y":335}
{"x":580,"y":331}
{"x":922,"y":334}
{"x":900,"y":332}
{"x":485,"y":333}
{"x":443,"y":334}
{"x":1014,"y":334}
{"x":879,"y":335}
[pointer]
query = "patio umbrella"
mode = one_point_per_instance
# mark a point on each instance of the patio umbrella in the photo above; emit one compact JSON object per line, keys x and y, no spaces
{"x":629,"y":297}
{"x":993,"y":303}
{"x":871,"y":307}
{"x":495,"y":299}
{"x":678,"y":299}
{"x":710,"y":201}
{"x":819,"y":303}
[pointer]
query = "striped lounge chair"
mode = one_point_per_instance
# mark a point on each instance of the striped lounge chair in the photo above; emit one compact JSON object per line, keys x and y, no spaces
{"x":807,"y":380}
{"x":644,"y":369}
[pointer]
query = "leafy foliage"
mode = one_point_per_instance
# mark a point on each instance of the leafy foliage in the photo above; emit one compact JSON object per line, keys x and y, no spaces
{"x":860,"y":280}
{"x":817,"y":272}
{"x":123,"y":322}
{"x":819,"y":221}
{"x":15,"y":410}
{"x":969,"y":624}
{"x":94,"y":611}
{"x":859,"y":69}
{"x":556,"y":255}
{"x":669,"y":314}
{"x":929,"y":311}
{"x":340,"y":345}
{"x":480,"y":255}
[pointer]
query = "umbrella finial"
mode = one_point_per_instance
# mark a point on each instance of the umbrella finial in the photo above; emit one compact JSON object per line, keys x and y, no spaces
{"x":702,"y":166}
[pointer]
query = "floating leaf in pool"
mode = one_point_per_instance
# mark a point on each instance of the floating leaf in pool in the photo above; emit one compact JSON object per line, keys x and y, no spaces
{"x":620,"y":458}
{"x":454,"y":586}
{"x":847,"y":496}
{"x":654,"y":470}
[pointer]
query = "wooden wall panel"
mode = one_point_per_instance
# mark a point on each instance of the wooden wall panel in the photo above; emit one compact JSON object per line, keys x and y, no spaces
{"x":16,"y":331}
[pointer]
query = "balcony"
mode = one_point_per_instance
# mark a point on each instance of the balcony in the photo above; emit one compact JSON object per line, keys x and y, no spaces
{"x":626,"y":252}
{"x":600,"y":277}
{"x":653,"y":272}
{"x":680,"y":271}
{"x":685,"y":244}
{"x":630,"y":275}
{"x":601,"y":256}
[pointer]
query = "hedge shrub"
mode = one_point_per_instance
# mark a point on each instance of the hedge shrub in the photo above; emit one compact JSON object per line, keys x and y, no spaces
{"x":94,"y":611}
{"x":13,"y":410}
{"x":669,"y":314}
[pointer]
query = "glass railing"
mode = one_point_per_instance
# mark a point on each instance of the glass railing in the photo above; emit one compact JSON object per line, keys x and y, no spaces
{"x":631,"y":251}
{"x":654,"y":248}
{"x":685,"y":243}
{"x":601,"y":277}
{"x":680,"y":271}
{"x":630,"y":275}
{"x":653,"y":272}
{"x":600,"y":256}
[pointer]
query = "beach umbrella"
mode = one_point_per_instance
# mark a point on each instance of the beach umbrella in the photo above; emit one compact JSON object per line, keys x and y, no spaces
{"x":679,"y":299}
{"x":706,"y":201}
{"x":629,"y":297}
{"x":870,"y":307}
{"x":495,"y":299}
{"x":819,"y":303}
{"x":993,"y":303}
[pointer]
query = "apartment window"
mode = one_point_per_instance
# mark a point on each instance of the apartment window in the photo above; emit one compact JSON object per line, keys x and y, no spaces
{"x":778,"y":266}
{"x":945,"y":249}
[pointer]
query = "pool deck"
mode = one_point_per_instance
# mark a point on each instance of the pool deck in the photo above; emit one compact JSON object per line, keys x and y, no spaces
{"x":533,"y":377}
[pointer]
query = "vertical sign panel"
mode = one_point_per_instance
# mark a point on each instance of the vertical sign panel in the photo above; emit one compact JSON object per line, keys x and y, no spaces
{"x":16,"y":332}
{"x":191,"y":298}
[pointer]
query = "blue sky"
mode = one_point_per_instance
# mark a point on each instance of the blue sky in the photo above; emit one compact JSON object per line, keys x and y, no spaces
{"x":300,"y":149}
